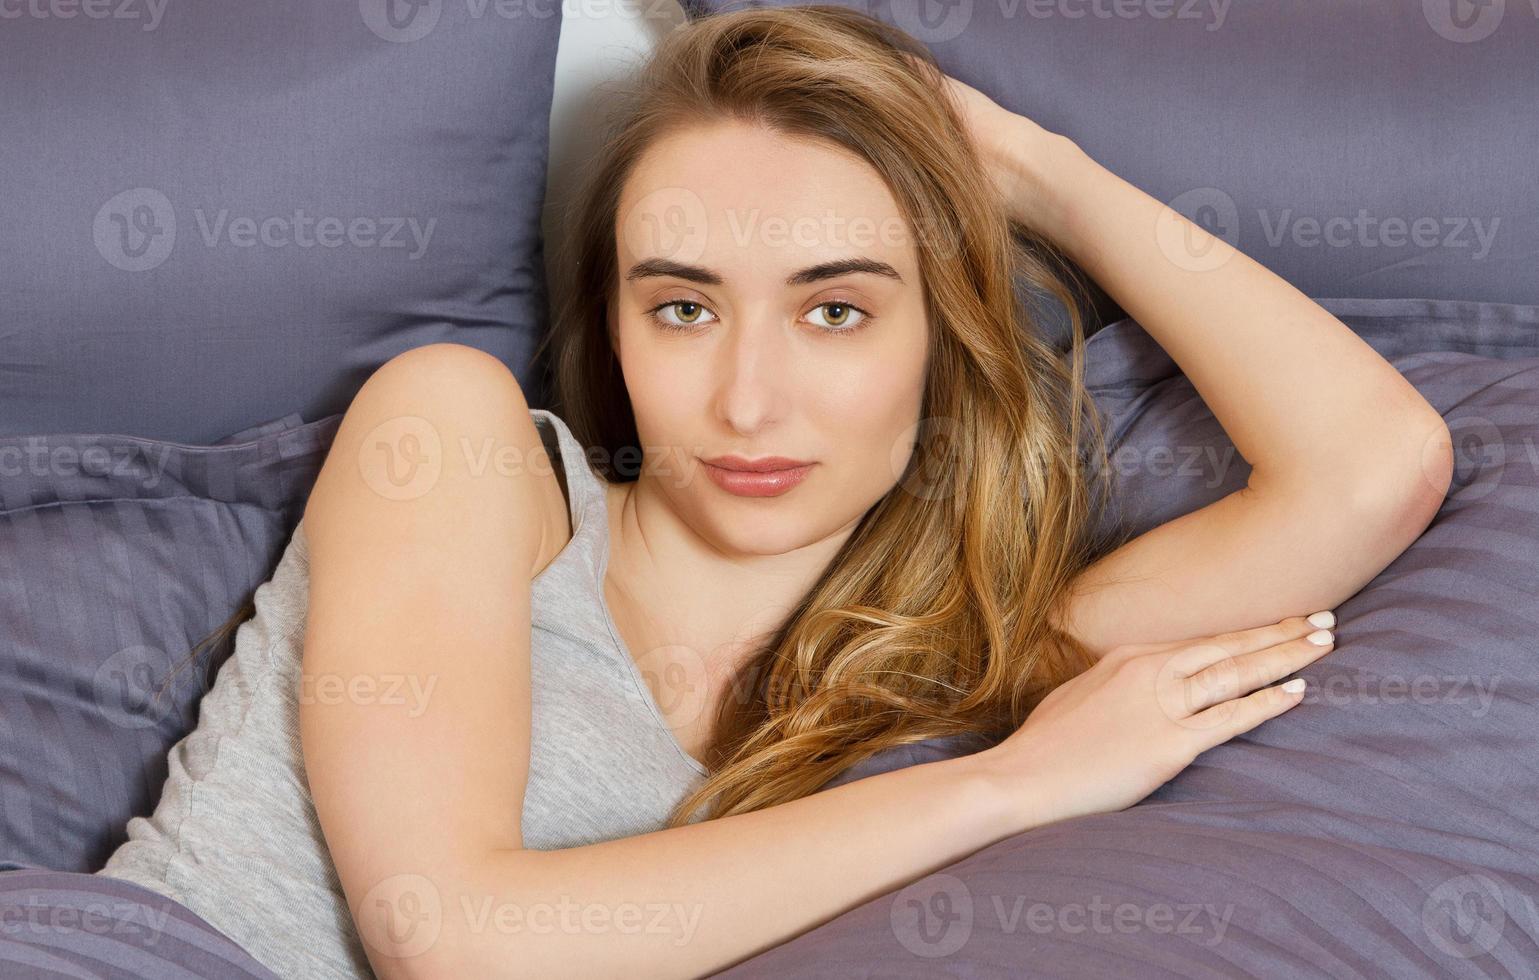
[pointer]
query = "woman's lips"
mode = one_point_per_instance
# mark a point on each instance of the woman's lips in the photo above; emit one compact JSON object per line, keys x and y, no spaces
{"x":744,"y":483}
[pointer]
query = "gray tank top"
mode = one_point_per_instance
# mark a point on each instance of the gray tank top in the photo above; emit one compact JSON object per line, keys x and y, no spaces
{"x":235,"y":836}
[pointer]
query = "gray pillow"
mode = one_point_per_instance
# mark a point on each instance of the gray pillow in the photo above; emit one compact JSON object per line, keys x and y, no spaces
{"x":220,"y":213}
{"x":1381,"y":149}
{"x":1384,"y":827}
{"x":117,"y":556}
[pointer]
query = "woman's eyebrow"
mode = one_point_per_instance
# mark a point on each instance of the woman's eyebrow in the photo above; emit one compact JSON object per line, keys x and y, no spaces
{"x":813,"y":273}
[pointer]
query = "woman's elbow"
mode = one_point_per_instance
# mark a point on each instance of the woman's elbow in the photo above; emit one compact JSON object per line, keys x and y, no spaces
{"x":1409,"y":488}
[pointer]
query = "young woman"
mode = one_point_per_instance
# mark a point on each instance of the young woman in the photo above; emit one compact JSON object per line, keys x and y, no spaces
{"x":821,"y":479}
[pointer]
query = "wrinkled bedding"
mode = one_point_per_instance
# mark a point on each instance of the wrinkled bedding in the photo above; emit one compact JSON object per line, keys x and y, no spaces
{"x":68,"y":924}
{"x":1386,"y":826}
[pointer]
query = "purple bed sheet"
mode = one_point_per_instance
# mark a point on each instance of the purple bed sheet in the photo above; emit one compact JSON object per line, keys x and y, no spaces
{"x":57,"y":924}
{"x":1387,"y":826}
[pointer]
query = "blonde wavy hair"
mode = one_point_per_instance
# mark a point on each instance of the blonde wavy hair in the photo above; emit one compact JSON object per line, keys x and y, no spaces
{"x":933,"y":619}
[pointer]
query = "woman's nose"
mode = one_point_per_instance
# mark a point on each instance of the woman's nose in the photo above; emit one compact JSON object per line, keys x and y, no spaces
{"x":755,"y":372}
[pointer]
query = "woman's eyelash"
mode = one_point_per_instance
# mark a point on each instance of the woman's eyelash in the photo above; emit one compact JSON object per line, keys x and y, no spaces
{"x":652,"y":314}
{"x":865,"y":317}
{"x":675,"y":327}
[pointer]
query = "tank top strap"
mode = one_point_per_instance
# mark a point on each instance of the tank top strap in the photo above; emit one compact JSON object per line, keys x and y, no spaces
{"x":584,"y":488}
{"x":568,"y":592}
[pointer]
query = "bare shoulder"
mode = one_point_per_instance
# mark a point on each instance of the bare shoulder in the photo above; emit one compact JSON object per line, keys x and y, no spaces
{"x":425,"y":526}
{"x":437,"y":433}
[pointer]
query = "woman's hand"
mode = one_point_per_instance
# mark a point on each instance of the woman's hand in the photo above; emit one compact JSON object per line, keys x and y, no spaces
{"x":1111,"y":736}
{"x":1020,"y":156}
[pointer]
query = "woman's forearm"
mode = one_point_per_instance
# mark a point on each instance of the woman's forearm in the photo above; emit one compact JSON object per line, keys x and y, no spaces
{"x":1304,"y":399}
{"x":692,"y":900}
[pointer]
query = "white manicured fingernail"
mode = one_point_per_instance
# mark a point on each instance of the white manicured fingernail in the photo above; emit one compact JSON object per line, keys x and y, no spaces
{"x":1294,"y":686}
{"x":1320,"y":638}
{"x":1324,"y":620}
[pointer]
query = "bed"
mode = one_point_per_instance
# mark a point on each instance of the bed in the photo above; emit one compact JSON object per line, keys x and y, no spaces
{"x":224,"y":218}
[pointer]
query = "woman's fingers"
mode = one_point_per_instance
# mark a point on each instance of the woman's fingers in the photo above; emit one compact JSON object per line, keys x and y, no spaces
{"x":1235,"y":676}
{"x":1202,"y":654}
{"x":1227,"y":719}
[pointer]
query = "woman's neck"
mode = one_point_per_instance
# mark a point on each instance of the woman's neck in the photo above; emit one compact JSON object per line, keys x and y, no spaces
{"x":691,"y":614}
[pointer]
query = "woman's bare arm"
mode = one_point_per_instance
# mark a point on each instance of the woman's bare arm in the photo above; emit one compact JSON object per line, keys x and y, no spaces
{"x":424,"y":578}
{"x":1349,"y":463}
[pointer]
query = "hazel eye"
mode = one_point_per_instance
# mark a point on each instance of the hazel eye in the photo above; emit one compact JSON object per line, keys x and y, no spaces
{"x":845,"y":317}
{"x":689,"y":312}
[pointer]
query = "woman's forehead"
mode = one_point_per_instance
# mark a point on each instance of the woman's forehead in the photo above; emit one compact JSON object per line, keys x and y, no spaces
{"x":738,"y":196}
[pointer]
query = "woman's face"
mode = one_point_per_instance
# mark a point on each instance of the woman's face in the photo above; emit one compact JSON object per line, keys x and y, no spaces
{"x":769,"y":304}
